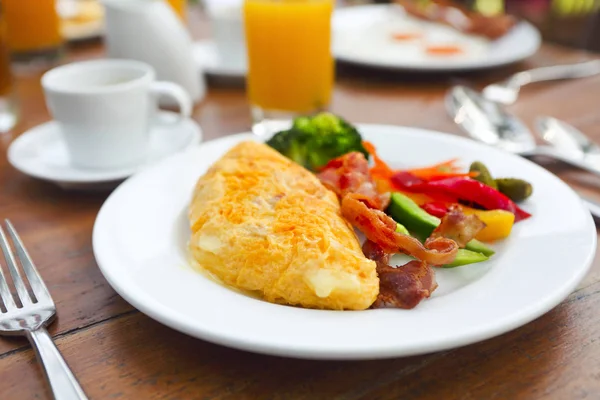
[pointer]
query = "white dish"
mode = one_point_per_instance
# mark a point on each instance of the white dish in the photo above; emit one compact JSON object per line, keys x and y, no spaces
{"x":363,"y":35}
{"x":207,"y":58}
{"x":84,"y":31}
{"x":91,"y":19}
{"x":140,"y":236}
{"x":41,"y":152}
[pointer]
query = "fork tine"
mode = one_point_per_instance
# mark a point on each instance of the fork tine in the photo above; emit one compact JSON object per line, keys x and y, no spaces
{"x":14,"y":271}
{"x":35,"y":280}
{"x":5,"y":294}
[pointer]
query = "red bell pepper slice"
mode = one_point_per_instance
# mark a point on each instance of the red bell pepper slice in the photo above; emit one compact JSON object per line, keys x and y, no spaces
{"x":435,"y":208}
{"x":406,"y":180}
{"x":470,"y":190}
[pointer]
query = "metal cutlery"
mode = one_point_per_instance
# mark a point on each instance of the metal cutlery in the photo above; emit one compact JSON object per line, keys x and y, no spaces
{"x":507,"y":91}
{"x":33,"y":315}
{"x":488,"y":122}
{"x":568,"y":139}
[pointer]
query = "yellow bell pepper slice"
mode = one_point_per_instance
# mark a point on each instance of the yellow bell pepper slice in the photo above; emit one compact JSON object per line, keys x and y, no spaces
{"x":498,"y":223}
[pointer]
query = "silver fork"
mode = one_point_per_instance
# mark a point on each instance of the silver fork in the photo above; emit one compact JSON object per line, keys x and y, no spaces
{"x":33,"y":316}
{"x":507,"y":91}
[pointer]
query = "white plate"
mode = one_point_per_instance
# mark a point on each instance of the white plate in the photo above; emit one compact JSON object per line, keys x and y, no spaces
{"x":140,"y":237}
{"x":42,"y":153}
{"x":207,"y":58}
{"x":91,"y":28}
{"x":84,"y":31}
{"x":363,"y":35}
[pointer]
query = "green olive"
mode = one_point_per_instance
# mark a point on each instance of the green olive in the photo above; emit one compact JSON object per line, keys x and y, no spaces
{"x":516,"y":189}
{"x":484,"y":175}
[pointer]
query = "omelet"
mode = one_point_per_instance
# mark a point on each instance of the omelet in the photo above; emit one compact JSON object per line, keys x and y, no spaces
{"x":263,"y":224}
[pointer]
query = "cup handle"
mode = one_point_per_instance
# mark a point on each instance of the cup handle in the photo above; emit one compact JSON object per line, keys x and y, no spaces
{"x":176,"y":92}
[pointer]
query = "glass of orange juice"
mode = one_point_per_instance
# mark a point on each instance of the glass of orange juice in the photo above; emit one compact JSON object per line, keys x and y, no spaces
{"x":33,"y":29}
{"x":8,"y":114}
{"x":290,"y":65}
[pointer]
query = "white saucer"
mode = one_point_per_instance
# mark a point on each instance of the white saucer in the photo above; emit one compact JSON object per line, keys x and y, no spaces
{"x":42,"y":153}
{"x":207,"y":57}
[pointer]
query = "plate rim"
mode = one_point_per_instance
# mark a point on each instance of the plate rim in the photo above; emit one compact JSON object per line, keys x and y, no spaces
{"x":338,"y":13}
{"x":165,"y":315}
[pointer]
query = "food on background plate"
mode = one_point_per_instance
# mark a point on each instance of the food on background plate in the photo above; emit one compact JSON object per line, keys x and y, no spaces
{"x":443,"y":49}
{"x":81,"y":17}
{"x":459,"y":17}
{"x":404,"y":36}
{"x":277,"y":219}
{"x":262,"y":223}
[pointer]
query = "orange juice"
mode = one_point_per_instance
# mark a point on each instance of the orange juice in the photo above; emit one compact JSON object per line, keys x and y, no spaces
{"x":290,"y":66}
{"x":179,"y":6}
{"x":32,"y":25}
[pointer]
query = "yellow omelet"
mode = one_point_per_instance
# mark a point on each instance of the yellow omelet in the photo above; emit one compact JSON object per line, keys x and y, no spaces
{"x":263,"y":223}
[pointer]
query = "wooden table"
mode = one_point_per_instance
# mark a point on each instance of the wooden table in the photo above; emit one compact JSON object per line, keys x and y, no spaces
{"x":117,"y":352}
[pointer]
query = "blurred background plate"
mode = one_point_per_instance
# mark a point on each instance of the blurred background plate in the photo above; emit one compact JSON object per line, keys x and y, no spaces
{"x":366,"y":35}
{"x":81,"y":19}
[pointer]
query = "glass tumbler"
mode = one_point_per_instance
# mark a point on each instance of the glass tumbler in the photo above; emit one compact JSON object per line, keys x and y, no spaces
{"x":290,"y":65}
{"x":33,"y":30}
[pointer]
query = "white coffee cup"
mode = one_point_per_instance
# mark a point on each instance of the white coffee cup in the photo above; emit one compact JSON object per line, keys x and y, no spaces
{"x":105,"y":109}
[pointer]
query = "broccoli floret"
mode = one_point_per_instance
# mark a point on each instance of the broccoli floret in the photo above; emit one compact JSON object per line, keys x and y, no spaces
{"x":314,"y":141}
{"x":290,"y":143}
{"x":322,"y":123}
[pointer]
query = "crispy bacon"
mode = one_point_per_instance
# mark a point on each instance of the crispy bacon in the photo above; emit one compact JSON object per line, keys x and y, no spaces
{"x":378,"y":227}
{"x":401,"y":287}
{"x":459,"y":17}
{"x":404,"y":286}
{"x":457,"y":226}
{"x":374,"y":252}
{"x":350,"y":174}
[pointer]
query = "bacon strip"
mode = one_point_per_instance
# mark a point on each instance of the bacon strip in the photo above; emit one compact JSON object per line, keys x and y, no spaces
{"x":457,"y":226}
{"x":350,"y":174}
{"x":378,"y":227}
{"x":401,"y":287}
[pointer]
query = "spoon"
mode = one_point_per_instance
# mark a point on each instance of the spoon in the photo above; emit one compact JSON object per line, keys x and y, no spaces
{"x":507,"y":91}
{"x":488,"y":122}
{"x":568,"y":139}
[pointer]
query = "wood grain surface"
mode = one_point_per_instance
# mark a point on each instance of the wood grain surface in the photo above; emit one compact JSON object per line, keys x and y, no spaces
{"x":118,"y":352}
